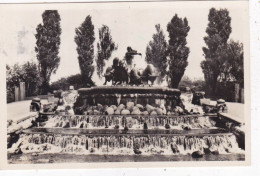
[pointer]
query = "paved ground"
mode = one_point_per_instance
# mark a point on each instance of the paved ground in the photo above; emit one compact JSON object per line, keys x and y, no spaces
{"x":19,"y":109}
{"x":236,"y":110}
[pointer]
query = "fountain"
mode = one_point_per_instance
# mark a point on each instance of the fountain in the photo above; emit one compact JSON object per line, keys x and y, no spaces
{"x":128,"y":120}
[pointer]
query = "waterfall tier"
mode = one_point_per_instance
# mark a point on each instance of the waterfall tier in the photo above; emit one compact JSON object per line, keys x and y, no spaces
{"x":128,"y":144}
{"x":130,"y":121}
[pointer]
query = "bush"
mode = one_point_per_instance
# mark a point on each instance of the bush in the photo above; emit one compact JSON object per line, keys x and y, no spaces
{"x":194,"y":85}
{"x":64,"y":83}
{"x":28,"y":73}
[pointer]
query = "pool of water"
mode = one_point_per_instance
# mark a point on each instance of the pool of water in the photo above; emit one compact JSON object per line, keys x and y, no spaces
{"x":71,"y":158}
{"x":103,"y":132}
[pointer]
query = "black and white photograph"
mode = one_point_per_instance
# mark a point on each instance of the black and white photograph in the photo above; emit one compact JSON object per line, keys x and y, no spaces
{"x":126,"y":82}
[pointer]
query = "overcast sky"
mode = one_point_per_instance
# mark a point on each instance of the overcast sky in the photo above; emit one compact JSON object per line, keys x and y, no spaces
{"x":131,"y":24}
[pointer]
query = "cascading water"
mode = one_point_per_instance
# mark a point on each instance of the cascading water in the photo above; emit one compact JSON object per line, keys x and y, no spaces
{"x":127,"y":144}
{"x":134,"y":122}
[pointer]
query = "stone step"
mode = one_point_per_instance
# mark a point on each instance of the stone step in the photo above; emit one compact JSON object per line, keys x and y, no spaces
{"x":131,"y":132}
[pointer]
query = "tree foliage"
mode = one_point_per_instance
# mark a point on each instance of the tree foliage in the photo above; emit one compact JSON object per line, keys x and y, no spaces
{"x":156,"y":51}
{"x":105,"y":48}
{"x":194,"y":85}
{"x":28,"y":73}
{"x":64,"y":83}
{"x":85,"y":47}
{"x":178,"y":52}
{"x":47,"y":46}
{"x":218,"y":31}
{"x":232,"y":59}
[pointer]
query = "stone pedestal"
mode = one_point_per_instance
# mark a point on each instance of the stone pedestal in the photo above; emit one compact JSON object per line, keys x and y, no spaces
{"x":236,"y":92}
{"x":242,"y":95}
{"x":16,"y":93}
{"x":22,"y":91}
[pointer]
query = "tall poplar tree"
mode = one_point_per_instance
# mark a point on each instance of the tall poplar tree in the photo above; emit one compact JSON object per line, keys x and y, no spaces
{"x":156,"y":52}
{"x":47,"y":46}
{"x":178,"y":52}
{"x":218,"y":30}
{"x":105,"y":47}
{"x":84,"y":39}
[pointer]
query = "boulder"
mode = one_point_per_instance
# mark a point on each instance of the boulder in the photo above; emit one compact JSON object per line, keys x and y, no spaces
{"x":169,"y":113}
{"x":121,"y":106}
{"x":99,"y":107}
{"x":141,"y":107}
{"x":178,"y":109}
{"x":163,"y":108}
{"x":137,"y":151}
{"x":109,"y":111}
{"x":104,"y":109}
{"x":117,"y":112}
{"x":135,"y":108}
{"x":206,"y":151}
{"x":197,"y":154}
{"x":92,"y":150}
{"x":149,"y":108}
{"x":136,"y":112}
{"x":215,"y":152}
{"x":153,"y":113}
{"x":145,"y":113}
{"x":114,"y":107}
{"x":159,"y":111}
{"x":186,"y":127}
{"x":90,"y":112}
{"x":96,"y":112}
{"x":130,"y":105}
{"x":125,"y":112}
{"x":94,"y":107}
{"x":167,"y":126}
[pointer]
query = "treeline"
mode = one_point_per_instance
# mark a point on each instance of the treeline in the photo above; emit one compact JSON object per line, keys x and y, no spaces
{"x":223,"y":57}
{"x":170,"y":58}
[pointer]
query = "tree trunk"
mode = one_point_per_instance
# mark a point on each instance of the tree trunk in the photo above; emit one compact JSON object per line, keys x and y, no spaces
{"x":45,"y":87}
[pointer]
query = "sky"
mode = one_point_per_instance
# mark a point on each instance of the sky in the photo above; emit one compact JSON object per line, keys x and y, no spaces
{"x":131,"y":24}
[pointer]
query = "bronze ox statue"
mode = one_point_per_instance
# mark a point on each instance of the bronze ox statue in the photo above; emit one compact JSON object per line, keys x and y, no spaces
{"x":119,"y":74}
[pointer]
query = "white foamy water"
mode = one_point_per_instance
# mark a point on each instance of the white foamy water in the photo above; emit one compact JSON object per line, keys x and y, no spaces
{"x":125,"y":145}
{"x":132,"y":122}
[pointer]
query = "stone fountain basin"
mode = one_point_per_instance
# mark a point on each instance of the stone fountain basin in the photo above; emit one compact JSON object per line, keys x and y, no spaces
{"x":133,"y":132}
{"x":129,"y":90}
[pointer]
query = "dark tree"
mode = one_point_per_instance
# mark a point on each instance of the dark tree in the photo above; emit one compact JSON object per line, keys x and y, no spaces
{"x":85,"y":47}
{"x":27,"y":73}
{"x":178,"y":52}
{"x":31,"y":78}
{"x":105,"y":48}
{"x":218,"y":31}
{"x":47,"y":46}
{"x":237,"y":62}
{"x":156,"y":52}
{"x":232,"y":59}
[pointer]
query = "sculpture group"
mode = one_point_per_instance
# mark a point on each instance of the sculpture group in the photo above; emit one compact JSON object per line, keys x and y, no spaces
{"x":124,"y":72}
